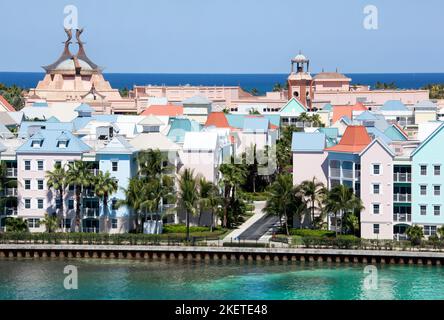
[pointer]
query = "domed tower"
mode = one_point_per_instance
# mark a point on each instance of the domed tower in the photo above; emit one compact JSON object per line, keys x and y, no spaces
{"x":300,"y":82}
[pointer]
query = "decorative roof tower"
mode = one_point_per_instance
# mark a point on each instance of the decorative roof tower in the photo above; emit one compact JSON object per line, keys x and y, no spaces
{"x":300,"y":82}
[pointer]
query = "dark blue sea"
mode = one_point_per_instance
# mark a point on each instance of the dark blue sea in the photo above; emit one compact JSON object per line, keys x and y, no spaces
{"x":262,"y":82}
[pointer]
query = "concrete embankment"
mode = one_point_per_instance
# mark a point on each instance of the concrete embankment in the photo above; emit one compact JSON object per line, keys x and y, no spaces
{"x":220,"y":253}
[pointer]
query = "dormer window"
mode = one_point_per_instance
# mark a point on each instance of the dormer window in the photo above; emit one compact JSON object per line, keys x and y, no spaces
{"x":36,"y":143}
{"x":62,"y":144}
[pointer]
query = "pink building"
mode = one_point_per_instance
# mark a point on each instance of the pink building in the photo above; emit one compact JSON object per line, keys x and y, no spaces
{"x":377,"y":191}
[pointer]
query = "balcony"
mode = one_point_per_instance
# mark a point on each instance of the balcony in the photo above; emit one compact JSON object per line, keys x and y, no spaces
{"x":397,"y":197}
{"x":91,"y":212}
{"x":11,"y":192}
{"x":402,"y":217}
{"x":11,"y":211}
{"x":90,"y":230}
{"x":94,"y":172}
{"x":11,"y":172}
{"x":402,"y":177}
{"x":335,"y":172}
{"x":400,"y":237}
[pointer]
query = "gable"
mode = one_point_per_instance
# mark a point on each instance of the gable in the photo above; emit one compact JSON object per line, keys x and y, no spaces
{"x":293,"y":106}
{"x":393,"y":133}
{"x":431,"y":148}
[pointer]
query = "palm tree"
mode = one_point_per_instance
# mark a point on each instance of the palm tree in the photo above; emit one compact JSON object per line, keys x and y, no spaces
{"x":283,"y":200}
{"x":316,"y":120}
{"x":415,"y":234}
{"x":104,"y":186}
{"x":342,"y":201}
{"x":79,"y":176}
{"x":313,"y":192}
{"x":151,"y":163}
{"x":188,"y":196}
{"x":57,"y":181}
{"x":304,"y":118}
{"x":233,"y":176}
{"x":209,"y":199}
{"x":51,"y":223}
{"x":277,"y":87}
{"x":16,"y":225}
{"x":134,"y":199}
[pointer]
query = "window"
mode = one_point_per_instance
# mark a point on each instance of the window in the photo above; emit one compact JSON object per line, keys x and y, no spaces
{"x":58,"y":203}
{"x":33,"y":223}
{"x":376,"y":189}
{"x":71,"y":187}
{"x":115,"y":165}
{"x":114,"y":204}
{"x":377,"y":169}
{"x":423,"y":210}
{"x":40,"y":184}
{"x":423,"y":170}
{"x":67,"y":223}
{"x":70,"y":204}
{"x":40,"y":165}
{"x":39,"y":203}
{"x":437,"y":210}
{"x":27,"y":165}
{"x":376,"y":208}
{"x":27,"y":203}
{"x":429,"y":230}
{"x":437,"y":170}
{"x":58,"y":164}
{"x":27,"y":184}
{"x":114,"y":224}
{"x":376,"y":228}
{"x":423,"y":190}
{"x":437,"y":190}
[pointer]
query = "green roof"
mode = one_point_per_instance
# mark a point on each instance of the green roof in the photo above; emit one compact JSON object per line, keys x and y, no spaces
{"x":293,"y":106}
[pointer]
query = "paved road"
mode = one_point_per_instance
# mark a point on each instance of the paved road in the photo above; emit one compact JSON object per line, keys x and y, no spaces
{"x":259,"y":228}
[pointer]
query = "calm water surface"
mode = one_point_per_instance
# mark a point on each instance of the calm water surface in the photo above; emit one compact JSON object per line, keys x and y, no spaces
{"x":123,"y":279}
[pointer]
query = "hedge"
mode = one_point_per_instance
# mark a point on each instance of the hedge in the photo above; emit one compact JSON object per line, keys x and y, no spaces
{"x":312,"y":233}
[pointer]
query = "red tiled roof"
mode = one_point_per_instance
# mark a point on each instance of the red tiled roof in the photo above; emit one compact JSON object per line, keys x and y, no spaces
{"x":354,"y":140}
{"x":217,"y":119}
{"x":346,"y":111}
{"x":163,"y":110}
{"x":6,"y":104}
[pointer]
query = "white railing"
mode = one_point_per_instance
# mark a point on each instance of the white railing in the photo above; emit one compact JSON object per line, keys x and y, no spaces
{"x":90,"y":230}
{"x":10,"y":211}
{"x":397,"y":197}
{"x":402,"y":177}
{"x":335,"y":172}
{"x":400,"y":237}
{"x":347,"y":173}
{"x":11,"y":192}
{"x":11,"y":172}
{"x":91,"y":212}
{"x":94,"y":172}
{"x":402,"y":217}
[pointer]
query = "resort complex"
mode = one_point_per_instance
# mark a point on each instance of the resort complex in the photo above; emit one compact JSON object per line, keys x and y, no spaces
{"x":78,"y":148}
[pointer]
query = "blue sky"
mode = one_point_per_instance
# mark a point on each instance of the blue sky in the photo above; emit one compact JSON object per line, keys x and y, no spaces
{"x":228,"y":36}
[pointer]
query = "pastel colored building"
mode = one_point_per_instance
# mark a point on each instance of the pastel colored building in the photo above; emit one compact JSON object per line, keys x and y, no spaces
{"x":377,"y":191}
{"x":427,"y":183}
{"x":39,"y":154}
{"x":309,"y":157}
{"x":118,"y":158}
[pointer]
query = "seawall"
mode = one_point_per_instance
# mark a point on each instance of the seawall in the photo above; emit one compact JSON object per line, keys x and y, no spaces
{"x":40,"y":251}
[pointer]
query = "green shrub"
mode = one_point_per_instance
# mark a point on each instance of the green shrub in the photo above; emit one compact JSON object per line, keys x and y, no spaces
{"x":181,"y":228}
{"x":312,"y":233}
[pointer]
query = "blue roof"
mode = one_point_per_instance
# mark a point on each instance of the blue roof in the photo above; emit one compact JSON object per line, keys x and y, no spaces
{"x":235,"y":120}
{"x":53,"y":119}
{"x":40,"y":104}
{"x":327,"y":107}
{"x":274,"y":119}
{"x":31,"y":127}
{"x":376,"y":133}
{"x":84,"y":108}
{"x":81,"y":122}
{"x":179,"y":126}
{"x":394,"y":133}
{"x":394,"y":105}
{"x":308,"y":142}
{"x":255,"y":124}
{"x":50,"y":139}
{"x":366,"y":116}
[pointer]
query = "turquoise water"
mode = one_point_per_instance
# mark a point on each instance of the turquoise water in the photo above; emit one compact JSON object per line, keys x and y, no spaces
{"x":136,"y":279}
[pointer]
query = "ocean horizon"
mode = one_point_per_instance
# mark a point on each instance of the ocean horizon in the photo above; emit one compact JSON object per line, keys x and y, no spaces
{"x":262,"y":82}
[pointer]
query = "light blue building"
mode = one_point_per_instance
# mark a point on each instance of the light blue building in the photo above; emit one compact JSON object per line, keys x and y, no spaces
{"x":427,"y":186}
{"x":118,"y":158}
